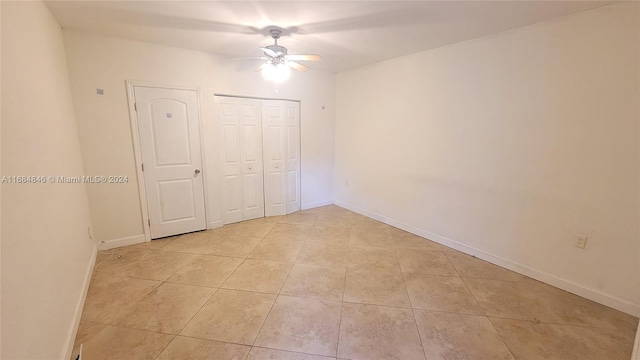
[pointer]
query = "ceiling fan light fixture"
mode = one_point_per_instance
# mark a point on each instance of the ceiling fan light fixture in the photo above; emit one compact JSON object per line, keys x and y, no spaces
{"x":282,"y":73}
{"x":278,"y":73}
{"x":268,"y":71}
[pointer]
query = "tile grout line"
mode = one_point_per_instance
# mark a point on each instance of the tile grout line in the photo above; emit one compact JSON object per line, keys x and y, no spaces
{"x":272,"y":305}
{"x":212,"y":340}
{"x":465,"y":284}
{"x":285,"y":280}
{"x":344,"y":290}
{"x":291,"y":351}
{"x":501,"y":337}
{"x":413,"y":313}
{"x":481,"y":308}
{"x":536,"y":321}
{"x":191,"y":319}
{"x":166,"y":346}
{"x":484,"y":313}
{"x":265,"y":321}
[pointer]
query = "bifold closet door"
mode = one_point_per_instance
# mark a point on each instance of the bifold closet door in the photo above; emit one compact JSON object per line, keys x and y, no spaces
{"x":281,"y":139}
{"x":292,"y":155}
{"x":241,"y":128}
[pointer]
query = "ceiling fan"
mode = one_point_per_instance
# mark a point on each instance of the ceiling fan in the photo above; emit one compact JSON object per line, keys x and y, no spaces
{"x":278,"y":61}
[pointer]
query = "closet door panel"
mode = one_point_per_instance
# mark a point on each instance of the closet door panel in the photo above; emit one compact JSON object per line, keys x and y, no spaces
{"x":292,"y":154}
{"x":251,"y":156}
{"x":227,"y":109}
{"x":274,"y":157}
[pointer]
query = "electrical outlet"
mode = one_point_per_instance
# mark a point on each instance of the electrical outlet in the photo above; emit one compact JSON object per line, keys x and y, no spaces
{"x":581,"y":241}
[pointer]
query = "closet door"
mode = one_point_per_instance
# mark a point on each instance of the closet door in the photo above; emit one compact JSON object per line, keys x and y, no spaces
{"x":251,"y":157}
{"x":292,"y":154}
{"x":241,"y":152}
{"x":274,"y":157}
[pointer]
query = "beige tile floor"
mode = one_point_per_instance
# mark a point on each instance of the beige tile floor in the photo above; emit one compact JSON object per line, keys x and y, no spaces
{"x":328,"y":283}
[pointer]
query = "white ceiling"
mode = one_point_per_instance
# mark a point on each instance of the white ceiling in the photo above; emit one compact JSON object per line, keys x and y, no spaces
{"x":347,"y":34}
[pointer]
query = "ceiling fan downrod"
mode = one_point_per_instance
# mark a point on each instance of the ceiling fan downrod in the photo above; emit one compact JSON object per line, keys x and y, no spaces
{"x":275,"y":34}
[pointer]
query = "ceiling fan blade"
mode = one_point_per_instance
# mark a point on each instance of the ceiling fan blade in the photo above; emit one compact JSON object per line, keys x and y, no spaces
{"x":146,"y":15}
{"x":268,"y":51}
{"x":380,"y":15}
{"x":259,"y":68}
{"x":294,"y":65}
{"x":249,"y":58}
{"x":309,"y":57}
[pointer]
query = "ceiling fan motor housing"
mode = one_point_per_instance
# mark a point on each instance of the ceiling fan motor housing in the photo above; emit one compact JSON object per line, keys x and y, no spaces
{"x":280,"y":50}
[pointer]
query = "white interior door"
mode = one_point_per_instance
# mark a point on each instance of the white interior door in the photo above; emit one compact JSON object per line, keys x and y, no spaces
{"x":243,"y":195}
{"x":231,"y":163}
{"x":274,"y":157}
{"x":170,"y":144}
{"x":292,"y":153}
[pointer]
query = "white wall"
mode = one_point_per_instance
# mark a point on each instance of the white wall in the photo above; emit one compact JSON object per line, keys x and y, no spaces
{"x":46,"y":250}
{"x":0,"y":188}
{"x":97,"y":61}
{"x":507,"y":146}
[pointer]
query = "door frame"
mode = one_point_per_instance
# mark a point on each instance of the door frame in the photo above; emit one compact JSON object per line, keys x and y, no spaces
{"x":137,"y":151}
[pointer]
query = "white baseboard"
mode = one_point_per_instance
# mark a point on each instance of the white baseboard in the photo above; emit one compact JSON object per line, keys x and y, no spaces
{"x":71,"y":336}
{"x":580,"y":290}
{"x":215,"y":224}
{"x":316,"y":204}
{"x":636,"y":346}
{"x":114,"y":243}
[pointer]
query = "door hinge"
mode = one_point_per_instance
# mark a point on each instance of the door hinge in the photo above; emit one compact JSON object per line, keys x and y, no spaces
{"x":149,"y":222}
{"x":135,"y":106}
{"x":142,"y":165}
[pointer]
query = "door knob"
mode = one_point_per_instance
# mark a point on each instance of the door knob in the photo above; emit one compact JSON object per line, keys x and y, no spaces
{"x":197,"y":171}
{"x":276,"y":166}
{"x":250,"y":168}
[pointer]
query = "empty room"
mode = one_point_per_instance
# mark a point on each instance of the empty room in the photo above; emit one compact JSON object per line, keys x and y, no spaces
{"x":309,"y":180}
